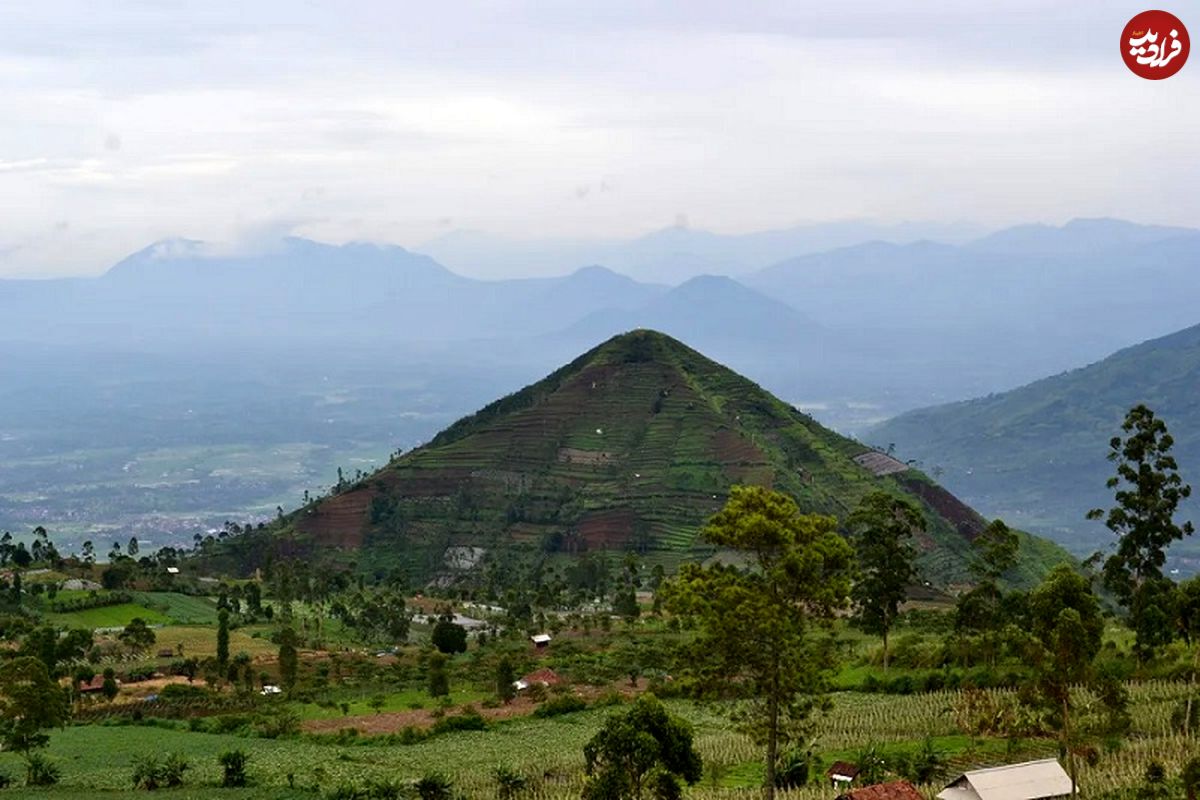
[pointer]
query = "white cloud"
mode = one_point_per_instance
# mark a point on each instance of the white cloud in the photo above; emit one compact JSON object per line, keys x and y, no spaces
{"x":382,"y":121}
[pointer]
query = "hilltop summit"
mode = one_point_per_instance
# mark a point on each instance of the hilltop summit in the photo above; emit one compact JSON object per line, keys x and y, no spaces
{"x":631,"y":446}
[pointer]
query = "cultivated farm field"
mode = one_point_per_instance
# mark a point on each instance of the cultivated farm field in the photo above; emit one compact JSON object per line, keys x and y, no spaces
{"x":96,"y":760}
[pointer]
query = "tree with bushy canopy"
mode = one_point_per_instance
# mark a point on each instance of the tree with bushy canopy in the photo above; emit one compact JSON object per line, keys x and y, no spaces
{"x":983,"y":614}
{"x":448,"y":636}
{"x":882,"y":527}
{"x":1066,"y":630}
{"x":644,"y":752}
{"x":756,"y":624}
{"x":30,"y":702}
{"x":137,"y":635}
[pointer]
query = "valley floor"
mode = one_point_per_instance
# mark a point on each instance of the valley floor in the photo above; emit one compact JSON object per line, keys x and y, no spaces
{"x":96,"y":760}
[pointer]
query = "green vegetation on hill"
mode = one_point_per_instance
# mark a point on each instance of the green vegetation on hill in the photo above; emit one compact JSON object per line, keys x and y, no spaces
{"x":630,"y":447}
{"x":1036,"y":456}
{"x":326,"y":684}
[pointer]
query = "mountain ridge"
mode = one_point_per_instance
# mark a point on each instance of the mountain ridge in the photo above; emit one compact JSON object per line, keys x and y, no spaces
{"x":630,"y":446}
{"x":1036,"y":455}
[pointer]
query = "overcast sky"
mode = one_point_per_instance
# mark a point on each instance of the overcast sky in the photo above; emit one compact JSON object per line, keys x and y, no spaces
{"x":391,"y":121}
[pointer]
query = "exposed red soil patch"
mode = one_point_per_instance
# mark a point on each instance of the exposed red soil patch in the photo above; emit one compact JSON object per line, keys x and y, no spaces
{"x":610,"y":528}
{"x":393,"y":721}
{"x":338,"y":521}
{"x":544,"y":676}
{"x":427,"y":482}
{"x":965,"y":519}
{"x":527,"y":532}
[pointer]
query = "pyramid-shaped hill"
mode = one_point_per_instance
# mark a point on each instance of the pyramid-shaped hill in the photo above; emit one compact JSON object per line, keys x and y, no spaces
{"x":631,"y":446}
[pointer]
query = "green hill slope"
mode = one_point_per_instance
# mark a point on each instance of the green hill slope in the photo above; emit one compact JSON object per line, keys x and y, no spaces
{"x":631,"y":446}
{"x":1035,"y":456}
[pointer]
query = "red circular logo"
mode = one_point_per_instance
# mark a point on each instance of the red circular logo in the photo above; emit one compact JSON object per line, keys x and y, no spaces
{"x":1155,"y":45}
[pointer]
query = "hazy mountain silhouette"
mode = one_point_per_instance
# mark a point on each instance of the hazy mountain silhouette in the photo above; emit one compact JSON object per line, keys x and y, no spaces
{"x":1037,"y":455}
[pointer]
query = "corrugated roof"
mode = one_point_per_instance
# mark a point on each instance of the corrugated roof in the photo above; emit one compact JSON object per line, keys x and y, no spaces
{"x":1033,"y":780}
{"x":956,"y":793}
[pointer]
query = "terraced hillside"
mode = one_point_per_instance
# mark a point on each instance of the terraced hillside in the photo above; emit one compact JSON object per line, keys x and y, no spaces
{"x":631,"y":446}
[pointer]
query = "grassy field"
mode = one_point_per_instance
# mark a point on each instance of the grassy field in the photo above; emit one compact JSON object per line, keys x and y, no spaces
{"x":181,"y":609}
{"x":117,"y":616}
{"x":156,"y":608}
{"x":96,"y":760}
{"x":200,"y":641}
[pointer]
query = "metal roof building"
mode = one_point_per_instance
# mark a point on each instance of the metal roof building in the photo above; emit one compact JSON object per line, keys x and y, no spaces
{"x":1033,"y":780}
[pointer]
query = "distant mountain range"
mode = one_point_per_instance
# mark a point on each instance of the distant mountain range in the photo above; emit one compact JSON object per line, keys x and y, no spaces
{"x":631,"y":446}
{"x":899,"y":324}
{"x":675,"y":254}
{"x":1002,"y":310}
{"x":304,"y":291}
{"x":304,"y":338}
{"x":1036,"y":456}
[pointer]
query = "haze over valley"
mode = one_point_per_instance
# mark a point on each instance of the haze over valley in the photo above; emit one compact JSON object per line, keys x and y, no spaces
{"x":189,"y":385}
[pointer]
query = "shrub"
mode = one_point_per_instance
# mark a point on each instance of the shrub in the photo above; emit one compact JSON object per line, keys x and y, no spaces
{"x":610,"y":698}
{"x":346,"y":735}
{"x":411,"y":735}
{"x":173,"y":769}
{"x":383,"y":789}
{"x":137,"y":675}
{"x":934,"y":681}
{"x":794,"y":769}
{"x":434,"y":786}
{"x":233,"y":764}
{"x":509,"y":783}
{"x":566,"y":704}
{"x":277,"y":723}
{"x":373,"y":790}
{"x":229,"y":723}
{"x":467,"y":721}
{"x":41,"y":771}
{"x":184,"y":692}
{"x":926,"y":765}
{"x":146,"y":773}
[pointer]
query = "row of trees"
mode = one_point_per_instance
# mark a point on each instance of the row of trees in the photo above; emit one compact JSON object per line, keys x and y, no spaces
{"x":762,"y":626}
